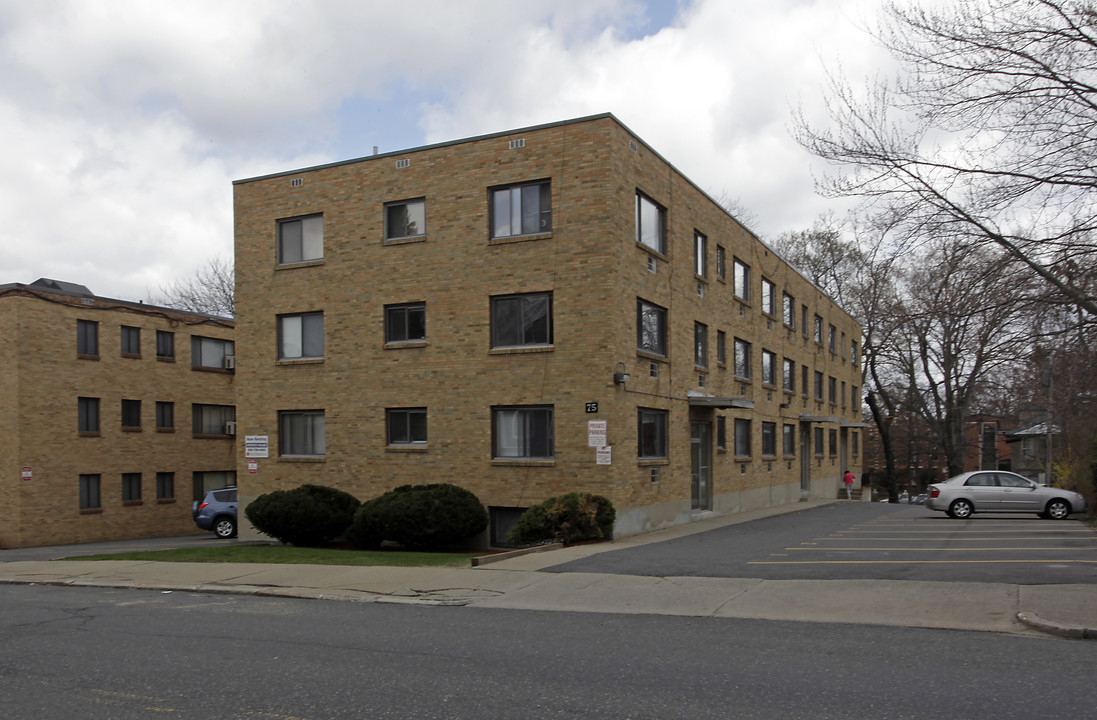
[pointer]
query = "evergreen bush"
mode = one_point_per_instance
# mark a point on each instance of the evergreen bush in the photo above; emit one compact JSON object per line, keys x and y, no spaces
{"x":569,"y":518}
{"x":306,"y":516}
{"x":419,"y":517}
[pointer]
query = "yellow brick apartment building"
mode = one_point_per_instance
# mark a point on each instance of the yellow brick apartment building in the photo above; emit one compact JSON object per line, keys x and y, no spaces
{"x":116,"y":415}
{"x":524,"y":314}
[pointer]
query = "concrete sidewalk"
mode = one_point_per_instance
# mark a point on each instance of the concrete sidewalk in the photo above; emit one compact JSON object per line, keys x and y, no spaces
{"x":515,"y":583}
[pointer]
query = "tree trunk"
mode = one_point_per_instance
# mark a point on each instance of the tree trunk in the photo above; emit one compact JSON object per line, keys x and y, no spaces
{"x":883,"y":424}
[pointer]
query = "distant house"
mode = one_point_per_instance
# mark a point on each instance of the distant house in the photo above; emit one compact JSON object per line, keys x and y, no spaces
{"x":544,"y":310}
{"x":1030,"y":447}
{"x":985,"y":445}
{"x":116,"y":415}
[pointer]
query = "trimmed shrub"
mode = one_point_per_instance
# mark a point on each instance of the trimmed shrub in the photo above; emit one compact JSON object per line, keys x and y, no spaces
{"x":565,"y":518}
{"x":306,"y":516}
{"x":419,"y":517}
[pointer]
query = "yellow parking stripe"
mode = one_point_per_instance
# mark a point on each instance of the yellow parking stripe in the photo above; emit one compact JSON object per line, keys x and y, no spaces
{"x":976,"y":549}
{"x":911,"y":562}
{"x":968,"y":539}
{"x":971,"y":539}
{"x":1064,"y":531}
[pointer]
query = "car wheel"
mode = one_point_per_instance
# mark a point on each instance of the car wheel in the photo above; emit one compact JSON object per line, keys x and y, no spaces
{"x":225,"y":527}
{"x":1058,"y":510}
{"x":961,"y":509}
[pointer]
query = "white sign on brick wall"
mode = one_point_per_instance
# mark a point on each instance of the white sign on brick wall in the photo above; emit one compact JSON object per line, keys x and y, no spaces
{"x":256,"y":446}
{"x":596,"y":433}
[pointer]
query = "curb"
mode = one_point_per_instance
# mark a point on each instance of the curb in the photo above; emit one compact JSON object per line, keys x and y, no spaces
{"x":1067,"y":630}
{"x":255,"y":591}
{"x":499,"y":557}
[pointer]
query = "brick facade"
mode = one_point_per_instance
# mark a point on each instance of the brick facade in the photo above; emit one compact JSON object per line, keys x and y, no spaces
{"x":42,"y":380}
{"x":593,"y":269}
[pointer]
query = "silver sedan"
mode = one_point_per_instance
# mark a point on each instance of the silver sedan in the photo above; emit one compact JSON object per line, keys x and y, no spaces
{"x":997,"y":491}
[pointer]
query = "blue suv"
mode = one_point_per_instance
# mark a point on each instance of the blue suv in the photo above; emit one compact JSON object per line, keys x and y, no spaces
{"x":217,"y":512}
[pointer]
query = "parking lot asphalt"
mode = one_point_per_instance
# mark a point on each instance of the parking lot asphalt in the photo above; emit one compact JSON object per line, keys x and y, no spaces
{"x":857,"y":541}
{"x":789,"y":566}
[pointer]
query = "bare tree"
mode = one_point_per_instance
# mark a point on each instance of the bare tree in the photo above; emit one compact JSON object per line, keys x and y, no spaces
{"x":872,"y":293}
{"x":825,"y":255}
{"x":857,"y":266}
{"x":964,"y":319}
{"x":211,"y":290}
{"x":742,"y":214}
{"x":989,"y":135}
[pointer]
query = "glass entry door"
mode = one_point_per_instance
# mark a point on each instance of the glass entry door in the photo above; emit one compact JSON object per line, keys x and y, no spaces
{"x":701,"y":464}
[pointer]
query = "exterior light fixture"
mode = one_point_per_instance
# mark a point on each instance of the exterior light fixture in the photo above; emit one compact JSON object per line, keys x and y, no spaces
{"x":620,"y":377}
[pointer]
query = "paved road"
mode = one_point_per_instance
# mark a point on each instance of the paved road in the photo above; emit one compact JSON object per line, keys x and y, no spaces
{"x":99,"y":654}
{"x":869,"y":541}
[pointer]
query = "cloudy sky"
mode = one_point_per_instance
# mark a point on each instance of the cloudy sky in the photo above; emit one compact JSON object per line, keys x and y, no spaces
{"x":127,"y":120}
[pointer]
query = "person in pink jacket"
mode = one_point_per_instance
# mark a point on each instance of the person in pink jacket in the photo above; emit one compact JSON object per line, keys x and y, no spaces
{"x":848,"y":480}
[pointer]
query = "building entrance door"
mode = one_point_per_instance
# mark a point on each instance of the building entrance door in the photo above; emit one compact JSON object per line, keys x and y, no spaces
{"x":701,"y":464}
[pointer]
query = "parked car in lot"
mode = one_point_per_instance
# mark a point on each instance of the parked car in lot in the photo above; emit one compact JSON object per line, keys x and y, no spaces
{"x":217,"y":512}
{"x":997,"y":491}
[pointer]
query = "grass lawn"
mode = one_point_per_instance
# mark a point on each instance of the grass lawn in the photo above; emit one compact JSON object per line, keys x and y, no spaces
{"x":294,"y":556}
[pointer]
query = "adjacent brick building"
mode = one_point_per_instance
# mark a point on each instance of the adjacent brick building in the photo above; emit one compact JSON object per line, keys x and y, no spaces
{"x":524,"y":314}
{"x":116,"y":414}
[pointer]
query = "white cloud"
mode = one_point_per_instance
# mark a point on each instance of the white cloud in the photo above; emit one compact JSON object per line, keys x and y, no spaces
{"x":712,"y":94}
{"x":128,"y":120}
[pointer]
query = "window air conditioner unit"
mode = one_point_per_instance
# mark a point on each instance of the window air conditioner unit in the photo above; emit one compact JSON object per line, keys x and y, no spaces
{"x":230,"y":427}
{"x":229,"y":362}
